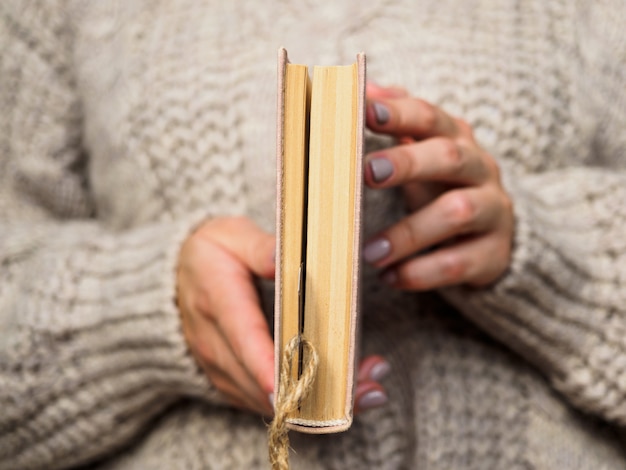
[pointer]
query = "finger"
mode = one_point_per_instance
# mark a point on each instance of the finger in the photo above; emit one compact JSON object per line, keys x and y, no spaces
{"x":373,"y":368}
{"x":247,"y":242}
{"x":375,"y":92}
{"x":409,"y":117}
{"x":232,"y":303}
{"x":419,"y":194}
{"x":476,"y":261}
{"x":369,"y":395}
{"x":242,"y":322}
{"x":439,"y":159}
{"x":215,"y":355}
{"x":454,"y":213}
{"x":236,"y":393}
{"x":223,"y":368}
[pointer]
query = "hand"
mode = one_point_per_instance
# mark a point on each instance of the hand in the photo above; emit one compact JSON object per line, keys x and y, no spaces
{"x":223,"y":322}
{"x":221,"y":316}
{"x":460,"y":226}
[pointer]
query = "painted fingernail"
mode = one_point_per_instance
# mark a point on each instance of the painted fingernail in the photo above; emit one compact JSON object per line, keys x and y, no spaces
{"x":373,"y":399}
{"x":270,"y":397}
{"x":376,"y":250}
{"x":381,"y":169}
{"x":390,"y":277}
{"x":380,"y":371}
{"x":381,"y":112}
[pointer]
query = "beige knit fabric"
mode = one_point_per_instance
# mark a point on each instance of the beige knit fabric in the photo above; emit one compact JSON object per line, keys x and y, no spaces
{"x":124,"y":124}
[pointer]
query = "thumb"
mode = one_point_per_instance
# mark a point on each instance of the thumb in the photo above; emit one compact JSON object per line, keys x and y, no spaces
{"x":245,"y":240}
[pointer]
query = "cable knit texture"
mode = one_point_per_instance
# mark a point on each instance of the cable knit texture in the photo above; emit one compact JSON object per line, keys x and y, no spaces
{"x":125,"y":124}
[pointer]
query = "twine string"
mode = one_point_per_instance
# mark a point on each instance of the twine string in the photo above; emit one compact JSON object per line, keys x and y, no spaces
{"x":291,"y":392}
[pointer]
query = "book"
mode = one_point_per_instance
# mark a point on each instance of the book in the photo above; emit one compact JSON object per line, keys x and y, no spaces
{"x":319,"y":198}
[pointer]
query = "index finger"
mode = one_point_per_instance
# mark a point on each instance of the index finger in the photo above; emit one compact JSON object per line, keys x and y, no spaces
{"x":242,"y":322}
{"x":439,"y":159}
{"x":409,"y":116}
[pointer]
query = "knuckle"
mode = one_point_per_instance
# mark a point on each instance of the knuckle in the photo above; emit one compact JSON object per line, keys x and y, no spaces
{"x":452,"y":153}
{"x":464,"y":127}
{"x":460,"y":210}
{"x":453,"y":267}
{"x":406,"y":234}
{"x":409,"y":277}
{"x":407,"y":164}
{"x":428,"y":114}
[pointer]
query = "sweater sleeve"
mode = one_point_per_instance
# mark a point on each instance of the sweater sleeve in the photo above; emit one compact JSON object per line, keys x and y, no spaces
{"x":91,"y":346}
{"x":562,"y":305}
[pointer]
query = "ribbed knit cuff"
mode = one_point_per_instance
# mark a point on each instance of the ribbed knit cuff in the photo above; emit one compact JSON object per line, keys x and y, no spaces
{"x":95,"y":344}
{"x":504,"y":310}
{"x":560,"y":305}
{"x":141,"y":337}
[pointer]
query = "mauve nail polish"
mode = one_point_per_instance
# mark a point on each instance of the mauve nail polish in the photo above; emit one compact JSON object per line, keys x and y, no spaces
{"x":381,"y":169}
{"x":376,"y":250}
{"x":381,"y":112}
{"x":372,"y":399}
{"x":380,"y":371}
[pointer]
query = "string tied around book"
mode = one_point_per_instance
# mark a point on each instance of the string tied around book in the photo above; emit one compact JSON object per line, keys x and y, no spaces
{"x":291,"y":392}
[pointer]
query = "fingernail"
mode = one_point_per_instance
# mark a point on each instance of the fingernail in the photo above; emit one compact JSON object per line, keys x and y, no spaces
{"x":373,"y":399}
{"x":376,"y":250}
{"x":381,"y":169}
{"x":270,"y":397}
{"x":390,"y":277}
{"x":381,"y":112}
{"x":380,"y":371}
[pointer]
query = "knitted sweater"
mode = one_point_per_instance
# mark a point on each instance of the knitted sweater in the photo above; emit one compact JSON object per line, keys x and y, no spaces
{"x":124,"y":124}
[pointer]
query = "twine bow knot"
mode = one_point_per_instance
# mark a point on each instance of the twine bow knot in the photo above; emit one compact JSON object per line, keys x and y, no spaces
{"x":291,"y":392}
